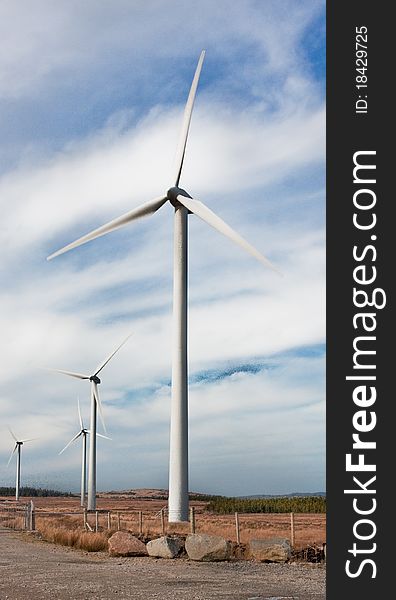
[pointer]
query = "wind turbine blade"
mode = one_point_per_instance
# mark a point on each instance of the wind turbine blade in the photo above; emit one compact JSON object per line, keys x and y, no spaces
{"x":79,"y":413}
{"x":143,"y":210}
{"x":98,"y":404}
{"x":13,"y":434}
{"x":12,"y":454}
{"x":70,"y":373}
{"x":71,"y":441}
{"x":105,"y":437}
{"x":202,"y":211}
{"x":104,"y":363}
{"x":181,"y":149}
{"x":29,"y":440}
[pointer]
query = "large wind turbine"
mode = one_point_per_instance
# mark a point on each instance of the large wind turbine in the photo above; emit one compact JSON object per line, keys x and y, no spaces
{"x":183,"y":205}
{"x":96,"y":406}
{"x":17,"y":449}
{"x":83,"y":432}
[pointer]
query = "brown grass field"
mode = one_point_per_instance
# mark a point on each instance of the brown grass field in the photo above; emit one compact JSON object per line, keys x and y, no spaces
{"x":65,"y":513}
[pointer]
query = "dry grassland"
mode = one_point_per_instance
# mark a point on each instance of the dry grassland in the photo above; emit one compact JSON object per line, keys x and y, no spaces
{"x":66,"y":526}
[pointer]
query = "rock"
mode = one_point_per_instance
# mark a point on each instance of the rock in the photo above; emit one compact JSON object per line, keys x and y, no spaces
{"x":122,"y":543}
{"x":165,"y":547}
{"x":272,"y":550}
{"x":207,"y":547}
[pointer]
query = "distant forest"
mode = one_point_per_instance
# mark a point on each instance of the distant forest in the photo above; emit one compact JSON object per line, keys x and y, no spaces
{"x":33,"y":492}
{"x":298,"y":504}
{"x":221,"y":505}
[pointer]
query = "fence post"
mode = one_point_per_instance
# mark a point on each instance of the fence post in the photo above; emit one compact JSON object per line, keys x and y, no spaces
{"x":32,"y":516}
{"x":238,"y":537}
{"x":108,"y":521}
{"x":292,"y":529}
{"x":162,"y":522}
{"x":192,"y":519}
{"x":118,"y":521}
{"x":140,"y":522}
{"x":96,"y":520}
{"x":85,"y":518}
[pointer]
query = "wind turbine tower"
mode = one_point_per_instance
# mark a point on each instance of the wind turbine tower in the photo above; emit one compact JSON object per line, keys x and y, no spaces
{"x":183,"y":205}
{"x":17,"y":449}
{"x":83,"y":433}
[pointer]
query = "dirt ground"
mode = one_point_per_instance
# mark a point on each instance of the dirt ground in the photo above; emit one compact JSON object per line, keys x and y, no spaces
{"x":32,"y":569}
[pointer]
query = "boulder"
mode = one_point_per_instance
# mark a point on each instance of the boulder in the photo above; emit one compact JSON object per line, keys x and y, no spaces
{"x":165,"y":547}
{"x":207,"y":547}
{"x":271,"y":550}
{"x":122,"y":543}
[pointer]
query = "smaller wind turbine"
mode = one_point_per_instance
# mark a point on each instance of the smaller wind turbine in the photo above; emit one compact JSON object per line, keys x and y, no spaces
{"x":95,"y":406}
{"x":83,"y":434}
{"x":17,"y":449}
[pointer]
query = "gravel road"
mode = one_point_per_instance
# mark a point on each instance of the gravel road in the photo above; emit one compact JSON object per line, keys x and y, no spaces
{"x":36,"y":570}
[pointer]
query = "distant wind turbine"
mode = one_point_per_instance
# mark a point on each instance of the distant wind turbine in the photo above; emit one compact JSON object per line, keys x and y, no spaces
{"x":17,"y":449}
{"x":183,"y":205}
{"x":96,"y":406}
{"x":83,"y":434}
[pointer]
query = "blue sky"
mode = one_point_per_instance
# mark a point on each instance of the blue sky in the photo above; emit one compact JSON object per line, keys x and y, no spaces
{"x":91,"y":98}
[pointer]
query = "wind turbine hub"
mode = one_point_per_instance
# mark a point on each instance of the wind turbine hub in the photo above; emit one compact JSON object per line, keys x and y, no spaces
{"x":174,"y":192}
{"x":94,"y":378}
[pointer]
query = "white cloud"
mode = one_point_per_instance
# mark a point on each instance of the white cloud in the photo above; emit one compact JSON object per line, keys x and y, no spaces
{"x":255,"y":423}
{"x":65,"y":40}
{"x":109,"y":174}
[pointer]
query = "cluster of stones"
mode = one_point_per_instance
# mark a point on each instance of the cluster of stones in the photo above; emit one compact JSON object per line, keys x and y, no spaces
{"x":200,"y":547}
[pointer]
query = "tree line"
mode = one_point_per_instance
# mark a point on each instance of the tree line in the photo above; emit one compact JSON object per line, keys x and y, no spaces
{"x":33,"y":492}
{"x":298,"y":504}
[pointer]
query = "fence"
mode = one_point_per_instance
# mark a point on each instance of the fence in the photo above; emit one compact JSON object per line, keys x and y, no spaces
{"x":17,"y":516}
{"x":301,"y":529}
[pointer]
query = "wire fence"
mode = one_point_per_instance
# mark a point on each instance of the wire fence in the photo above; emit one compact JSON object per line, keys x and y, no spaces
{"x":301,"y":529}
{"x":17,"y":516}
